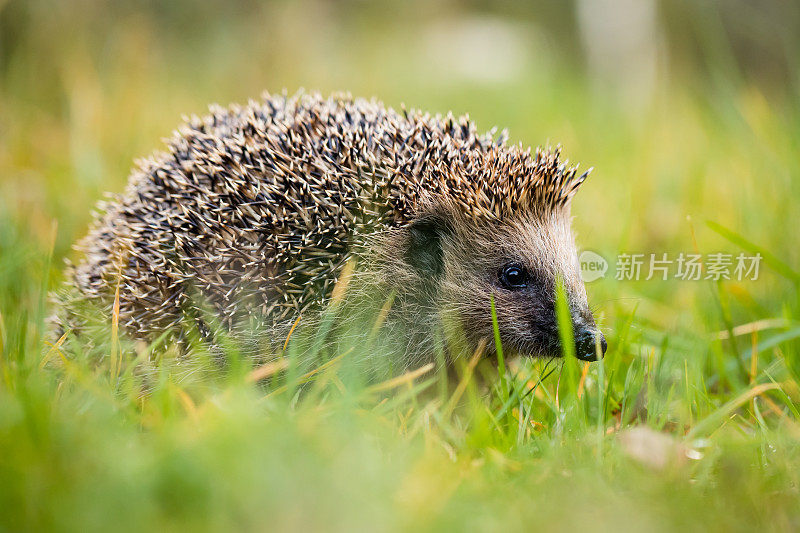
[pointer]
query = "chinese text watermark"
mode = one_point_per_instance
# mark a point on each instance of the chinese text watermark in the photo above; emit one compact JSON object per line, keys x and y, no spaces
{"x":663,"y":266}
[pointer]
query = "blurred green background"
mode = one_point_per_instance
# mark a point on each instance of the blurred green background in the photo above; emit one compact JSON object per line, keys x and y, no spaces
{"x":683,"y":108}
{"x":688,"y":112}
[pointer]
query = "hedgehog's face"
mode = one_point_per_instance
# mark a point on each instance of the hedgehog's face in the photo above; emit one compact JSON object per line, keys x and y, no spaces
{"x":519,"y":263}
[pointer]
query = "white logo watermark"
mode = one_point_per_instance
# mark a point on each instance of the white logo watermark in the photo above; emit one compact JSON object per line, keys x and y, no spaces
{"x":593,"y":266}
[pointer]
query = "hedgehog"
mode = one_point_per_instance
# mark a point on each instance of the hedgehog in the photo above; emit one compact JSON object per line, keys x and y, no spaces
{"x":254,"y":212}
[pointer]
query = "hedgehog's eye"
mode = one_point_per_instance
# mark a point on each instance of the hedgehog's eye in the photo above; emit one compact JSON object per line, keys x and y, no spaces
{"x":513,"y":277}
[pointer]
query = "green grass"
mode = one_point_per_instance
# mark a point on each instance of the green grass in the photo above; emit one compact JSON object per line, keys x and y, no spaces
{"x":710,"y":369}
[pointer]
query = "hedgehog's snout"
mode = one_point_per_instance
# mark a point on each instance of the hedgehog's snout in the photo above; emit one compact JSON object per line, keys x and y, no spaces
{"x":586,"y":344}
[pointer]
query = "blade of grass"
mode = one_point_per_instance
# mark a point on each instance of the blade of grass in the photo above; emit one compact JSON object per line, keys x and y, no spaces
{"x":773,"y":341}
{"x":115,"y":336}
{"x":518,"y":391}
{"x":401,"y":380}
{"x":53,"y":348}
{"x":2,"y":335}
{"x":758,"y":325}
{"x":501,"y":364}
{"x":268,"y":369}
{"x":714,"y":420}
{"x":564,"y":318}
{"x":726,"y":319}
{"x":462,"y":385}
{"x":291,"y":330}
{"x":769,"y":258}
{"x":582,"y":381}
{"x":305,"y":378}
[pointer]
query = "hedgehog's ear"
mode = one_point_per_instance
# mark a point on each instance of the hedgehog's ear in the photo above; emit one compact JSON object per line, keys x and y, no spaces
{"x":424,"y":250}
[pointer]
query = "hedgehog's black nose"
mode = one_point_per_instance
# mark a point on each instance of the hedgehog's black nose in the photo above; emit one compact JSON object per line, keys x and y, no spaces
{"x":586,"y":344}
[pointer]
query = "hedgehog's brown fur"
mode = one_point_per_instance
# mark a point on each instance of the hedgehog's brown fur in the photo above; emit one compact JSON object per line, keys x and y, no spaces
{"x":257,"y":208}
